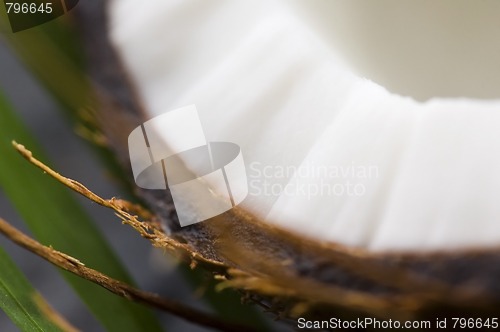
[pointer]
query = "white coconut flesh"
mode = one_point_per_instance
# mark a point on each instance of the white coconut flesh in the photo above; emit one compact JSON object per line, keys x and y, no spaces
{"x":329,"y":152}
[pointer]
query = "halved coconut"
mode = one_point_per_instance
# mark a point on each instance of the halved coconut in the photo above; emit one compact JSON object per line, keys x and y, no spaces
{"x":359,"y":197}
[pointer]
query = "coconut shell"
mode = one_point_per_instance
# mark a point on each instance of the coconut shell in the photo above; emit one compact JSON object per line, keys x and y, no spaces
{"x":290,"y":275}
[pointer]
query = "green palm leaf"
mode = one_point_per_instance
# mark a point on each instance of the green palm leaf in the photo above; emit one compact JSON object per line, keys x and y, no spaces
{"x":56,"y":219}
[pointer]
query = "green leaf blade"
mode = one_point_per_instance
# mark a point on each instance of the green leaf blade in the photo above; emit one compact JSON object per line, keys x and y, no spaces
{"x":55,"y":218}
{"x":17,"y":299}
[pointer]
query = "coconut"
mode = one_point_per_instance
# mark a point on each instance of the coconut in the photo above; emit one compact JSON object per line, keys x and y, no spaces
{"x":370,"y":157}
